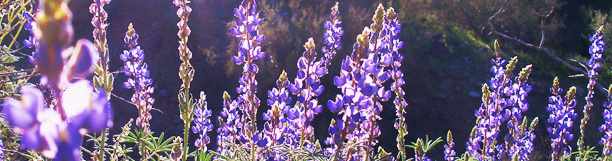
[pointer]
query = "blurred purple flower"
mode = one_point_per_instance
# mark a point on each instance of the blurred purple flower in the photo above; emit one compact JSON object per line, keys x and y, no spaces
{"x":57,"y":131}
{"x":44,"y":130}
{"x":31,"y":42}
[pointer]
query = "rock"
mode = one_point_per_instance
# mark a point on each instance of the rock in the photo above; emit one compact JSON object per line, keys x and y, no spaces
{"x":474,"y":94}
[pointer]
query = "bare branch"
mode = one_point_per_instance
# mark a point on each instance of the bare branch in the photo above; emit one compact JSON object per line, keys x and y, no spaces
{"x":130,"y":102}
{"x":490,"y":21}
{"x":543,"y":24}
{"x":539,"y":47}
{"x":17,"y":79}
{"x":15,"y":73}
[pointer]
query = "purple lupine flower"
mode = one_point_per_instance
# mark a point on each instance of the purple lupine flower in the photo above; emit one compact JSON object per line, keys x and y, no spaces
{"x":23,"y":114}
{"x":247,"y":23}
{"x":277,"y":128}
{"x":561,"y":120}
{"x":347,"y":103}
{"x":472,"y":146}
{"x":606,"y":128}
{"x":51,"y":42}
{"x":596,"y":50}
{"x":516,"y":138}
{"x":332,"y":37}
{"x":228,"y":128}
{"x":31,"y":42}
{"x":505,"y":100}
{"x":449,"y":153}
{"x":202,"y":123}
{"x":522,"y":146}
{"x":499,"y":104}
{"x":486,"y":130}
{"x":393,"y":29}
{"x":136,"y":68}
{"x":99,"y":22}
{"x":361,"y":77}
{"x":306,"y":86}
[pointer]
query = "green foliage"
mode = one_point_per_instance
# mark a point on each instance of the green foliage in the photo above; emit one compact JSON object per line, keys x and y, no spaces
{"x":589,"y":154}
{"x":118,"y":149}
{"x":150,"y":145}
{"x":11,"y":78}
{"x":421,"y":147}
{"x":11,"y":24}
{"x":12,"y":20}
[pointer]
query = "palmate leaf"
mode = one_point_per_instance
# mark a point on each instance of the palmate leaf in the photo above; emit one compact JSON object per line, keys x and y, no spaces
{"x":203,"y":156}
{"x":235,"y":152}
{"x":123,"y":148}
{"x":131,"y":138}
{"x":219,"y":156}
{"x":160,"y":145}
{"x":589,"y":152}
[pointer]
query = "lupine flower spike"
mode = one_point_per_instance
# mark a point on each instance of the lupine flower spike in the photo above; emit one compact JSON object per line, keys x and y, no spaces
{"x":104,"y":79}
{"x":247,"y":23}
{"x":135,"y":67}
{"x":228,"y":127}
{"x":186,"y":72}
{"x":332,"y":37}
{"x":57,"y":131}
{"x":561,"y":120}
{"x":202,"y":123}
{"x":504,"y":99}
{"x":393,"y":30}
{"x":449,"y":153}
{"x":596,"y":50}
{"x":306,"y":87}
{"x":519,"y":141}
{"x":361,"y":78}
{"x":277,"y":128}
{"x":606,"y":128}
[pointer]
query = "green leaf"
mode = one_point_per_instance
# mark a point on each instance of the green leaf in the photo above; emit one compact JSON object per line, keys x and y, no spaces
{"x":8,"y":58}
{"x":219,"y":155}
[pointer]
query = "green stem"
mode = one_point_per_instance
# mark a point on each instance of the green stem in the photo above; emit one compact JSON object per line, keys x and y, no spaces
{"x":187,"y":117}
{"x":102,"y":145}
{"x":185,"y":143}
